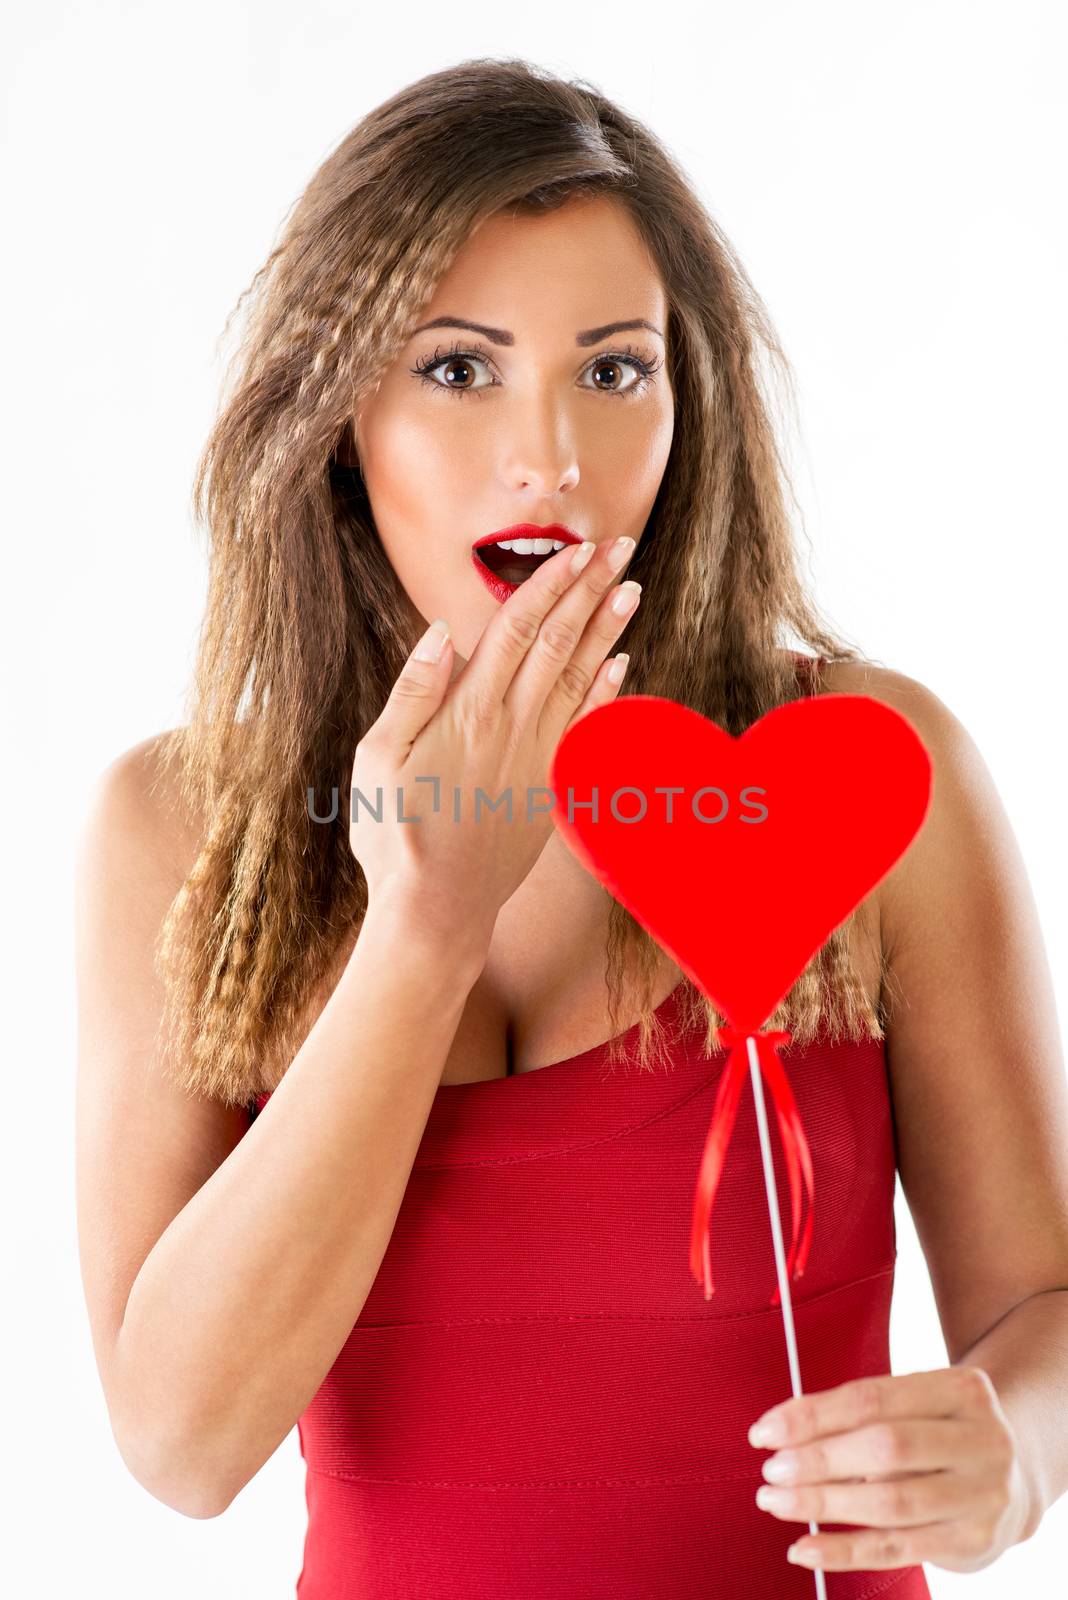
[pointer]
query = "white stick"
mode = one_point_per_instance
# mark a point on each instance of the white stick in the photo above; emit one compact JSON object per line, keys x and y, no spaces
{"x":780,"y":1254}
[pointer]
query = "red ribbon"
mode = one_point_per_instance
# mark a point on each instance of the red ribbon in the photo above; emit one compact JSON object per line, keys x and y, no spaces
{"x":794,"y":1143}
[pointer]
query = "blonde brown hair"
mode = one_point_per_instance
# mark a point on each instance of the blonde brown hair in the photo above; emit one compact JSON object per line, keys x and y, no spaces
{"x":306,"y":625}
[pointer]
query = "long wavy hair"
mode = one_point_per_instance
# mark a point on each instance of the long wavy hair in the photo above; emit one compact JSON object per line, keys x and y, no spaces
{"x":306,"y":625}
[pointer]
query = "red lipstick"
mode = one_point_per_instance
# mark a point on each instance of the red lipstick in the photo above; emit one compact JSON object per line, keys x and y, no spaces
{"x":500,"y":588}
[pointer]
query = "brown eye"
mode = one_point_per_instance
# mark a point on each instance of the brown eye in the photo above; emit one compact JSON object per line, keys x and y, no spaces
{"x":603,"y":366}
{"x":463,"y":362}
{"x":641,"y":368}
{"x":451,"y":366}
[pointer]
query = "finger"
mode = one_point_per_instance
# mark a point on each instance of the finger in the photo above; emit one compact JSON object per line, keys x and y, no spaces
{"x":578,"y":678}
{"x":946,"y":1391}
{"x":880,"y":1549}
{"x":507,"y":639}
{"x":911,"y":1445}
{"x":561,"y":636}
{"x":606,"y":685}
{"x":418,"y":691}
{"x":890,"y":1503}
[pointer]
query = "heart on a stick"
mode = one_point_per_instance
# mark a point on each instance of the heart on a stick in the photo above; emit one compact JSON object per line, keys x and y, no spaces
{"x":741,"y":856}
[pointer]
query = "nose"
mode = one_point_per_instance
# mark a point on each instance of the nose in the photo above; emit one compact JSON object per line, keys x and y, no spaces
{"x":539,"y":453}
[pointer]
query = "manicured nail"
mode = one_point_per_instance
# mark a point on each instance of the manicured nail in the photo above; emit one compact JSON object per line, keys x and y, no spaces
{"x":781,"y":1468}
{"x":620,"y":552}
{"x":769,"y":1499}
{"x":432,"y":643}
{"x":618,"y":668}
{"x":803,"y":1555}
{"x":626,"y":597}
{"x":582,"y":555}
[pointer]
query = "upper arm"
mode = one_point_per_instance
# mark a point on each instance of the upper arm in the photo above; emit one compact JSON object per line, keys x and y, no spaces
{"x":143,"y":1147}
{"x":975,"y":1059}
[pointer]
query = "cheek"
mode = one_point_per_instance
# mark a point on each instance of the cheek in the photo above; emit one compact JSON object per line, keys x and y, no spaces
{"x":417,"y":476}
{"x":423,"y":479}
{"x":415,"y":461}
{"x":627,"y":460}
{"x":661,"y":433}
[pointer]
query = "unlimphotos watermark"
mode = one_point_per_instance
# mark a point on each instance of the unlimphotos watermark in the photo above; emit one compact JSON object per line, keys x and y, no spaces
{"x":541,"y":800}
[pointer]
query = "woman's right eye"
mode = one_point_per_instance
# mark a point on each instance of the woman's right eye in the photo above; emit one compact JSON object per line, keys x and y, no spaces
{"x":426,"y":371}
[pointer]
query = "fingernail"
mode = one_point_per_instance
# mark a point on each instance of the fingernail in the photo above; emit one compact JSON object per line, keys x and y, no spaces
{"x":620,"y":551}
{"x":781,"y":1468}
{"x":432,"y":643}
{"x":769,"y":1499}
{"x":626,"y":597}
{"x":582,"y":555}
{"x":803,"y":1555}
{"x":768,"y":1433}
{"x":617,"y":669}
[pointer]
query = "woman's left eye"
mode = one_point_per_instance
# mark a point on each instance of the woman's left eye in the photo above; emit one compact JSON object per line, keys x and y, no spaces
{"x":643,"y":366}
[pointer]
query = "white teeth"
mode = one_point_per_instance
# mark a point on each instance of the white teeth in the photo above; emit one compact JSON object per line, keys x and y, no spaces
{"x":529,"y":547}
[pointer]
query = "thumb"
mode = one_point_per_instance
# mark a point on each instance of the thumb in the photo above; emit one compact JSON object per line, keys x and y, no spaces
{"x":418,"y":690}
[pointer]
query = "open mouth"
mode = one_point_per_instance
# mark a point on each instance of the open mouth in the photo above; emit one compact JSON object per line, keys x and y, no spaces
{"x":510,"y":565}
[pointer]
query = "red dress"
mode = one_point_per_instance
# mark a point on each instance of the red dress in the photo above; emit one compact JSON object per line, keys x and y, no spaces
{"x":538,"y":1401}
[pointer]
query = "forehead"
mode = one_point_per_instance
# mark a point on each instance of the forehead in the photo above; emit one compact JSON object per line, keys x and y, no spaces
{"x":582,"y":264}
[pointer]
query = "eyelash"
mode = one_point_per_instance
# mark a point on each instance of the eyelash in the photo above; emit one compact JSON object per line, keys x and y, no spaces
{"x":645,"y":365}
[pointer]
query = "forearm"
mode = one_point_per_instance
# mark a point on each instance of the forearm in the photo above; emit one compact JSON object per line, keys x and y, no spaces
{"x":243,"y":1304}
{"x":1026,"y":1356}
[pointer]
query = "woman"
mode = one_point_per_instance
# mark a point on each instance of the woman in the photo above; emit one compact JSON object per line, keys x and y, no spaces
{"x":448,"y":1247}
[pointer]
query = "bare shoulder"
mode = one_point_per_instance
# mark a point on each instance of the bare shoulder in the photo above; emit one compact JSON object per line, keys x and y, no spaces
{"x":964,"y":802}
{"x":137,"y":806}
{"x":896,"y":689}
{"x":137,"y":795}
{"x":933,"y":720}
{"x":925,"y":712}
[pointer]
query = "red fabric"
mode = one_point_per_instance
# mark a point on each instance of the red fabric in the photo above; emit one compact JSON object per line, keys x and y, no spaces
{"x":538,"y":1400}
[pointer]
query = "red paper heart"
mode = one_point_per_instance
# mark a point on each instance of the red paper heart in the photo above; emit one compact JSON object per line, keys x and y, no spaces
{"x":842,"y":780}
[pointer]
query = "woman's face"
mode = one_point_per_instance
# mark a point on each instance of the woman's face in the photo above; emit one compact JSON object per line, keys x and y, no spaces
{"x":543,"y":418}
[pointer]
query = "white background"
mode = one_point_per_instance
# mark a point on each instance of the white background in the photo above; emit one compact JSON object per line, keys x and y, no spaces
{"x":892,"y":179}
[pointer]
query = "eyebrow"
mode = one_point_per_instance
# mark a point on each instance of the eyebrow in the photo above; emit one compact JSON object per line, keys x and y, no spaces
{"x":502,"y":336}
